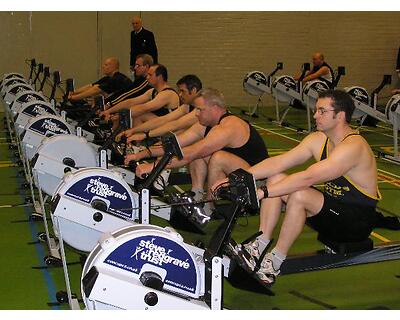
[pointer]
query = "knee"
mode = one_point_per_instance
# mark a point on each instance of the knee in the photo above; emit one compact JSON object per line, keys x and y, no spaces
{"x":297,"y":197}
{"x":217,"y":159}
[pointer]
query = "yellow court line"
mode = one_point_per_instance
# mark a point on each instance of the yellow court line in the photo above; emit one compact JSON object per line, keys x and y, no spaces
{"x":8,"y":165}
{"x":378,"y":236}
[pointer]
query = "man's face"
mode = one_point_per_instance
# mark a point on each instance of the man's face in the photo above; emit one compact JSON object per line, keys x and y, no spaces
{"x":151,"y":77}
{"x":203,"y":111}
{"x":140,"y":68}
{"x":136,"y":24}
{"x":185,"y":95}
{"x":317,"y":60}
{"x":325,"y":116}
{"x":108,"y":67}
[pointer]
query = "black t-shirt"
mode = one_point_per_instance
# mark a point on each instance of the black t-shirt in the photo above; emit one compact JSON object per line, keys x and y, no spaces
{"x":135,"y":89}
{"x":117,"y":81}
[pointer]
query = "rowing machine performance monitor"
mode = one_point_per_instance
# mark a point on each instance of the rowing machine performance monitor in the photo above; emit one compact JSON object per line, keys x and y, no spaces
{"x":172,"y":149}
{"x":341,"y":71}
{"x":305,"y":68}
{"x":32,"y":68}
{"x":99,"y":102}
{"x":241,"y":189}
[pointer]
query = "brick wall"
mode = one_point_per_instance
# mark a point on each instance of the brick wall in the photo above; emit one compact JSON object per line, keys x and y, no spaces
{"x":220,"y":47}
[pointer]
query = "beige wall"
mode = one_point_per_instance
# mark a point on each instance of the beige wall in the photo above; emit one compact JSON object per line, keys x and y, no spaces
{"x":221,"y":47}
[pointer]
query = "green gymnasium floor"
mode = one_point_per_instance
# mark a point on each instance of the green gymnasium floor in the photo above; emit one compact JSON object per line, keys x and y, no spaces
{"x":27,"y":284}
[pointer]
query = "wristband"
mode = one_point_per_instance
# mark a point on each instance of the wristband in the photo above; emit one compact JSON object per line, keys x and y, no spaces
{"x":264,"y":189}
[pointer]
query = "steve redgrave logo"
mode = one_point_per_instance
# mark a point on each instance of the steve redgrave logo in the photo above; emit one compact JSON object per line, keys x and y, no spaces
{"x":53,"y":127}
{"x":101,"y":189}
{"x":159,"y":255}
{"x":37,"y":109}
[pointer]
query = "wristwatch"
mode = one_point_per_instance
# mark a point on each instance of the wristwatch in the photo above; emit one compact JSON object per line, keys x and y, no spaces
{"x":264,"y":189}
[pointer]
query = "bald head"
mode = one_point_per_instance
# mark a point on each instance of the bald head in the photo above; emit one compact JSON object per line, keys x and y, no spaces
{"x":137,"y":23}
{"x":318,"y":59}
{"x":110,"y":66}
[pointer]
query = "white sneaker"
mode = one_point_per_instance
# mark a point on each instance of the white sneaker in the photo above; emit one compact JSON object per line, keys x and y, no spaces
{"x":162,"y":180}
{"x":267,"y":274}
{"x":248,"y":254}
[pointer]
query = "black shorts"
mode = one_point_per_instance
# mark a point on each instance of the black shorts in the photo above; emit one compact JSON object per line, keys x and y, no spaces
{"x":343,"y":222}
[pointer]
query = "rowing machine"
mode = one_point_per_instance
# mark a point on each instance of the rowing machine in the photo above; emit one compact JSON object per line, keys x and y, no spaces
{"x":149,"y":267}
{"x":365,"y":104}
{"x":29,"y":110}
{"x":40,"y":127}
{"x":286,"y":89}
{"x":392,"y":112}
{"x":22,"y":97}
{"x":256,"y":83}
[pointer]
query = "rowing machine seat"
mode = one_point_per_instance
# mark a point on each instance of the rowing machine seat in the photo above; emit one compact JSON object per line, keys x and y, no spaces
{"x":346,"y":247}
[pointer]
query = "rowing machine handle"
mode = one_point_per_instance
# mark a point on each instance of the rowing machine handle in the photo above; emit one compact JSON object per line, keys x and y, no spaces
{"x":279,"y":66}
{"x":56,"y":77}
{"x":46,"y":72}
{"x":341,"y":70}
{"x":305,"y":68}
{"x":70,"y":85}
{"x":387,"y":79}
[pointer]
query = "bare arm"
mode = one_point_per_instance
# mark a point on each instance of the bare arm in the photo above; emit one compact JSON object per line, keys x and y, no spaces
{"x":189,"y":136}
{"x":173,"y":126}
{"x":296,"y":156}
{"x":315,"y":75}
{"x":340,"y":161}
{"x":395,"y":91}
{"x":162,"y":99}
{"x":90,"y":92}
{"x":127,"y":104}
{"x":83,"y":88}
{"x":219,"y":137}
{"x":159,"y":121}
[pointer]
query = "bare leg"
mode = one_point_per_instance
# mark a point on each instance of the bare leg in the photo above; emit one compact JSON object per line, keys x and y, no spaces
{"x":300,"y":205}
{"x":271,"y":208}
{"x":221,"y":164}
{"x":198,"y":173}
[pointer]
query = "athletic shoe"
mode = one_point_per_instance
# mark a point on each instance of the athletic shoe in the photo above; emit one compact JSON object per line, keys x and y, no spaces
{"x":246,"y":255}
{"x":267,"y":274}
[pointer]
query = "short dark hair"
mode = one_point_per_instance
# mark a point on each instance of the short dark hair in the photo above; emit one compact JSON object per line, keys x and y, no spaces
{"x":191,"y":81}
{"x":147,"y":59}
{"x":161,"y":70}
{"x":341,"y":101}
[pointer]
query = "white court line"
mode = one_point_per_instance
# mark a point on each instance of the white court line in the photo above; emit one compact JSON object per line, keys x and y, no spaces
{"x":278,"y":134}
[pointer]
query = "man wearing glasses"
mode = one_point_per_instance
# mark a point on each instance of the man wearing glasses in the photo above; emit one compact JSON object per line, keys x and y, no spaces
{"x":344,"y":211}
{"x":139,"y":86}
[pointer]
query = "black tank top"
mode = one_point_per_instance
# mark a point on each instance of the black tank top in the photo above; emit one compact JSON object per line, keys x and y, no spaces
{"x":324,"y":64}
{"x":253,"y":151}
{"x":164,"y":109}
{"x":343,"y":189}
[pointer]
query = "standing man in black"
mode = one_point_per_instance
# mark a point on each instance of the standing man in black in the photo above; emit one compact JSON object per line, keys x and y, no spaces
{"x":142,"y":41}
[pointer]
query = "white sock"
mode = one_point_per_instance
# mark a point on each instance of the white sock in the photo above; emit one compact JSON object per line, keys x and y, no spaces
{"x":277,"y":259}
{"x":198,"y":194}
{"x":262,"y":243}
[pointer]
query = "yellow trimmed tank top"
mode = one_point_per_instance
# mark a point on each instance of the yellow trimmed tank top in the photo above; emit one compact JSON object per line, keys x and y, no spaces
{"x":344,"y":189}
